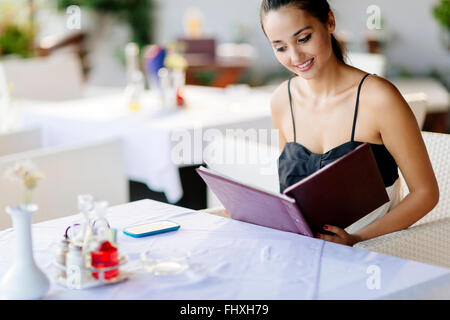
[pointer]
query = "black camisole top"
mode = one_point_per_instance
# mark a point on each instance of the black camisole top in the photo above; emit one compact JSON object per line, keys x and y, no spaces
{"x":296,"y":162}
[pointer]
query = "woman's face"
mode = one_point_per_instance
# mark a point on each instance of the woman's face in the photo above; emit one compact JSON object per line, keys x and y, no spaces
{"x":301,"y":43}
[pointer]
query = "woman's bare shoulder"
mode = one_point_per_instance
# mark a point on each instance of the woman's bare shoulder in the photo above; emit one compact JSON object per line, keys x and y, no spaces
{"x":279,"y":99}
{"x":381,"y":94}
{"x":386,"y":103}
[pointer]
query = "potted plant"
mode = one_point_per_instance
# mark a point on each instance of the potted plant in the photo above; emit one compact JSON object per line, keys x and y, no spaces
{"x":17,"y":29}
{"x":441,"y":12}
{"x":137,"y":13}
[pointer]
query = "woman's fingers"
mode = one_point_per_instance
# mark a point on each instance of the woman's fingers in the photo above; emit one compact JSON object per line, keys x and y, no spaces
{"x":327,"y":237}
{"x":336,"y":230}
{"x":340,"y":235}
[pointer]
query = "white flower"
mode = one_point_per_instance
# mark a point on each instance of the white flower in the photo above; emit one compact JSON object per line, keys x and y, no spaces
{"x":26,"y":172}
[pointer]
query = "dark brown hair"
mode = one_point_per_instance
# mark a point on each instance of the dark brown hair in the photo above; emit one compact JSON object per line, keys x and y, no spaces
{"x":316,"y":8}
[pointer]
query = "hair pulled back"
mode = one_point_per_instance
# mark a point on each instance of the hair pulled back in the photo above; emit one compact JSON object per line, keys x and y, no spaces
{"x":316,"y":8}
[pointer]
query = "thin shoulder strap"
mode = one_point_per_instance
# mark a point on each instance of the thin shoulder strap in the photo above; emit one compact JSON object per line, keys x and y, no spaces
{"x":356,"y":106}
{"x":292,"y":112}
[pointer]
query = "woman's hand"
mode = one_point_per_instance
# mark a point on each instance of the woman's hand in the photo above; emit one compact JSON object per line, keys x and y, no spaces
{"x":340,"y":236}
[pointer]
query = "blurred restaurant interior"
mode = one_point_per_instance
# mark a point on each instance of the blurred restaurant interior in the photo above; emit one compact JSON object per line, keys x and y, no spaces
{"x":121,"y":101}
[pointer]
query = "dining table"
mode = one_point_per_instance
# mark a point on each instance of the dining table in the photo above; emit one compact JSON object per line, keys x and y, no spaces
{"x":227,"y":259}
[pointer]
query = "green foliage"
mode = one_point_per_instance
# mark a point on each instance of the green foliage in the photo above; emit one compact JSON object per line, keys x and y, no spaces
{"x":16,"y":40}
{"x":442,"y":13}
{"x":205,"y":78}
{"x":137,"y":13}
{"x":17,"y":29}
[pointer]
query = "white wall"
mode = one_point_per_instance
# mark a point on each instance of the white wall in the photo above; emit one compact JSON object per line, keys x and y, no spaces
{"x":415,"y":43}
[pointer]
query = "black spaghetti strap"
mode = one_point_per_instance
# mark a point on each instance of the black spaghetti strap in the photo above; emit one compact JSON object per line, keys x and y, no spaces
{"x":292,"y":112}
{"x":356,"y":106}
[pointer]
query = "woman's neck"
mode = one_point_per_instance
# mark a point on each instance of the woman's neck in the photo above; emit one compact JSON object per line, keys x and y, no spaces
{"x":325,"y":84}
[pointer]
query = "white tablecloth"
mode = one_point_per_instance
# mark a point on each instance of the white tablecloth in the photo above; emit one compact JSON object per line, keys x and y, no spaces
{"x":237,"y":260}
{"x":150,"y":137}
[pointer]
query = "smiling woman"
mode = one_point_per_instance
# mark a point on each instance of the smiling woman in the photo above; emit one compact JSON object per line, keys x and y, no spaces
{"x":325,"y":104}
{"x":317,"y":22}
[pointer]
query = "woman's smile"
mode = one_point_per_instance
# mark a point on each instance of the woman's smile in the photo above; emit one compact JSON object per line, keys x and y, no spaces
{"x":301,"y":43}
{"x":306,"y":65}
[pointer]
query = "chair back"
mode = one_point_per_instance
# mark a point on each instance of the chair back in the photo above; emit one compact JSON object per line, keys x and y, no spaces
{"x":56,"y":77}
{"x":20,"y":141}
{"x":369,"y":62}
{"x":246,"y":161}
{"x":96,"y":168}
{"x":418,"y":104}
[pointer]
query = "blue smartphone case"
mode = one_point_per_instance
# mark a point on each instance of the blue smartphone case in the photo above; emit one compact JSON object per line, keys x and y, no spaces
{"x":145,"y":234}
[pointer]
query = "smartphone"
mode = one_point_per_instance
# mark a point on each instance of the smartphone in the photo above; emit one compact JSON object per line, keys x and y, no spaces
{"x":152,"y":228}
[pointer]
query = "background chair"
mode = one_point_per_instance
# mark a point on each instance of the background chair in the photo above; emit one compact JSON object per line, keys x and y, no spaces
{"x":247,"y":161}
{"x":20,"y":140}
{"x":56,"y":77}
{"x":71,"y":42}
{"x":418,"y":104}
{"x":438,"y":100}
{"x":96,"y":169}
{"x":428,"y":240}
{"x":369,"y":62}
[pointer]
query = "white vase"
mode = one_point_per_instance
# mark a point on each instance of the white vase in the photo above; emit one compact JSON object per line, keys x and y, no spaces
{"x":24,"y":279}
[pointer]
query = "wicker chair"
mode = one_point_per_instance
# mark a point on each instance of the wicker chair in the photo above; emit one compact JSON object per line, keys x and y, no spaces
{"x":428,"y":240}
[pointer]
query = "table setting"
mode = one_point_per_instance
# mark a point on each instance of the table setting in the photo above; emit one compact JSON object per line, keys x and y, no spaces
{"x":216,"y":258}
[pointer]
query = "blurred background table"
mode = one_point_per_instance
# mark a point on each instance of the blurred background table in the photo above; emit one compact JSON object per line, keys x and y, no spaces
{"x":152,"y":137}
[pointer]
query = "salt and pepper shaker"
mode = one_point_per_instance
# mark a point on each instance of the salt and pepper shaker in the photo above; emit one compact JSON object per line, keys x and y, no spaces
{"x":61,"y":252}
{"x":71,"y":252}
{"x":94,"y":245}
{"x":76,"y":275}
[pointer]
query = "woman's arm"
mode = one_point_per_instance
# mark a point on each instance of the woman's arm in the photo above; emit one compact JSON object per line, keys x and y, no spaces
{"x":401,"y":135}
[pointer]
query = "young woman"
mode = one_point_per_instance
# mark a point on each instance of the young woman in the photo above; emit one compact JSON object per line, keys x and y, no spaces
{"x":329,"y":108}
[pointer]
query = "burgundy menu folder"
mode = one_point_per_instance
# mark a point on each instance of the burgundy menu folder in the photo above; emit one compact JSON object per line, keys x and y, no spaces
{"x":338,"y":194}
